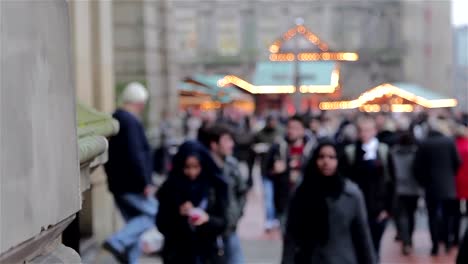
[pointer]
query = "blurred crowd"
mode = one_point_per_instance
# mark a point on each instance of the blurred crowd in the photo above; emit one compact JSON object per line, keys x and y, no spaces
{"x":332,"y":181}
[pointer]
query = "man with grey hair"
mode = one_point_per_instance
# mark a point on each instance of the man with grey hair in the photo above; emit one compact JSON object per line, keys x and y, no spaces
{"x":129,"y":172}
{"x":435,"y":166}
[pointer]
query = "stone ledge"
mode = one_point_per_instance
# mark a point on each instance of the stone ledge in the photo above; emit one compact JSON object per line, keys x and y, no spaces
{"x":39,"y":246}
{"x":91,"y":122}
{"x":91,"y":147}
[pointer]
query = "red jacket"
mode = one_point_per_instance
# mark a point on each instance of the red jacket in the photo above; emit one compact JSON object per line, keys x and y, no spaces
{"x":462,"y":176}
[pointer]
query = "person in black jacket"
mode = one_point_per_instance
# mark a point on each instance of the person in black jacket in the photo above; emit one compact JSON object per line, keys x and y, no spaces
{"x":193,"y":209}
{"x":327,"y":221}
{"x":435,"y":166}
{"x":367,"y":166}
{"x":129,"y":172}
{"x":220,"y":144}
{"x":284,"y":164}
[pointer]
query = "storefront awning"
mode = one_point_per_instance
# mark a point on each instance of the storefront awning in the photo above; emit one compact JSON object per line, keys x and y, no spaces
{"x":208,"y":85}
{"x":278,"y":78}
{"x":394,"y":97}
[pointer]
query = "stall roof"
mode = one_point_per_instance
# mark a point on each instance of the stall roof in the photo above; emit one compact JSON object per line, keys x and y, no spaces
{"x":282,"y":73}
{"x":278,"y":78}
{"x":419,"y":91}
{"x":208,"y":84}
{"x":408,"y":91}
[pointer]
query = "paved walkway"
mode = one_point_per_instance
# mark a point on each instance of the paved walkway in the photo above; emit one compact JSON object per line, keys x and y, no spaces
{"x":262,"y":248}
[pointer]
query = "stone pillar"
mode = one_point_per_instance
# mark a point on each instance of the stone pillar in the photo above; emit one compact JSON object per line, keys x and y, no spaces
{"x":161,"y":73}
{"x":93,"y":40}
{"x":39,"y":161}
{"x":153,"y":49}
{"x":80,"y":14}
{"x":103,"y":56}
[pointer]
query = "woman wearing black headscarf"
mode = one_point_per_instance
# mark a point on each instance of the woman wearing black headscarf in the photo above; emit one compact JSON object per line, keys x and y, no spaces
{"x":192,"y":209}
{"x":327,"y":221}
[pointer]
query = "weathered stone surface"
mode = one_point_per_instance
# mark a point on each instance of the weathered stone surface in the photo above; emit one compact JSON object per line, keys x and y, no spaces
{"x":39,"y":168}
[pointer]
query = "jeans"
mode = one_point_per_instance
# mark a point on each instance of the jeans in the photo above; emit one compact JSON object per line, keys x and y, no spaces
{"x":269,"y":200}
{"x":233,"y":250}
{"x":406,"y":208}
{"x":138,"y":212}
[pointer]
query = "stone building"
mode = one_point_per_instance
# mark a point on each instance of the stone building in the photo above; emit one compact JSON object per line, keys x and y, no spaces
{"x":50,"y":145}
{"x":461,"y":66}
{"x":397,"y":40}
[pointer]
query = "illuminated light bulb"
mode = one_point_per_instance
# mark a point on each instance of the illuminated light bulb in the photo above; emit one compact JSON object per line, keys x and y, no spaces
{"x":349,"y":56}
{"x":326,"y":56}
{"x":301,"y":29}
{"x":274,"y":48}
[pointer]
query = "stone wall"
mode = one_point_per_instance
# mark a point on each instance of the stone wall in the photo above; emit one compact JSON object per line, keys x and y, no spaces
{"x":38,"y":153}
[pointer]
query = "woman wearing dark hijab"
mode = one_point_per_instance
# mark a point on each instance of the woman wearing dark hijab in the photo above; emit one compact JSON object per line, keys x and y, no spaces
{"x":192,"y":209}
{"x":327,"y":221}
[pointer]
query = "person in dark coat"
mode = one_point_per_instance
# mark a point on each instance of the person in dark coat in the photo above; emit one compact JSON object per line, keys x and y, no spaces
{"x":285,"y":162}
{"x":327,"y":220}
{"x":367,"y":165}
{"x":435,"y":166}
{"x":243,"y":151}
{"x":264,"y":140}
{"x":192,"y":213}
{"x":220,"y":145}
{"x":407,"y":189}
{"x":129,"y":172}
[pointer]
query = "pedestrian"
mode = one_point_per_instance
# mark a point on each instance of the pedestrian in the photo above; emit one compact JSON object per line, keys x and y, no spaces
{"x":264,"y":139}
{"x":284,"y":164}
{"x":436,"y":165}
{"x":193,"y":209}
{"x":315,"y":129}
{"x":367,"y":166}
{"x":386,"y":129}
{"x":244,"y":153}
{"x":462,"y":175}
{"x":327,"y":220}
{"x":407,"y":189}
{"x":129,"y":172}
{"x":220,"y":143}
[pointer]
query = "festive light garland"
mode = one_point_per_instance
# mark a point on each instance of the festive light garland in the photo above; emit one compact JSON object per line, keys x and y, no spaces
{"x":387,"y":90}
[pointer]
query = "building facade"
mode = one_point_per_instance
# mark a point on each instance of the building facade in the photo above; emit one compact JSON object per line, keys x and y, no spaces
{"x":461,"y":66}
{"x":397,"y":40}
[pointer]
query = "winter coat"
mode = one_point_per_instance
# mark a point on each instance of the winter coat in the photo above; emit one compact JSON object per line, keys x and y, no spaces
{"x":462,"y":176}
{"x":282,"y":184}
{"x":436,"y":165}
{"x":185,"y":243}
{"x":129,"y":167}
{"x":269,"y":137}
{"x":401,"y":169}
{"x":237,"y":192}
{"x":349,"y":239}
{"x":372,"y":177}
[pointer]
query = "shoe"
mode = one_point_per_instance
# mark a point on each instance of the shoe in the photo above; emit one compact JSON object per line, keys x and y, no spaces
{"x":435,"y":251}
{"x":397,"y":238}
{"x":448,"y":247}
{"x":270,"y":225}
{"x":120,"y":256}
{"x":406,"y":250}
